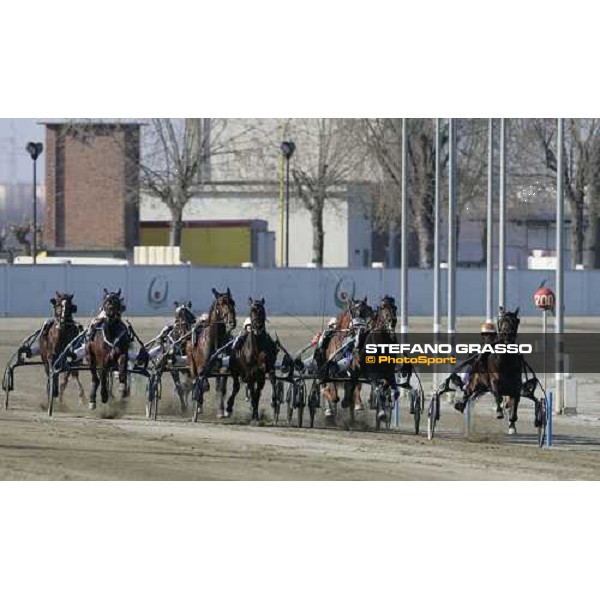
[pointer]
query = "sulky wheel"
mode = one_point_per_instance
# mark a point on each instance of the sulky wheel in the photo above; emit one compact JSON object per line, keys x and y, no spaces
{"x":300,"y":401}
{"x":50,"y":393}
{"x":151,"y":396}
{"x":277,"y":400}
{"x":289,"y":400}
{"x":541,"y":420}
{"x":433,"y":415}
{"x":417,"y":410}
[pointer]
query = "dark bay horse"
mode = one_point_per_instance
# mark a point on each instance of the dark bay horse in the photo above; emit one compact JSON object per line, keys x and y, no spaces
{"x":499,"y":374}
{"x":109,"y":347}
{"x":381,"y":332}
{"x":182,"y":327}
{"x":55,"y":337}
{"x":215,"y":335}
{"x":255,"y":359}
{"x":353,"y":321}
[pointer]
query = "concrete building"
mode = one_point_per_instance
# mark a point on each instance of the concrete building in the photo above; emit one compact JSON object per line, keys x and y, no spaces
{"x":92,"y":186}
{"x":346,"y":219}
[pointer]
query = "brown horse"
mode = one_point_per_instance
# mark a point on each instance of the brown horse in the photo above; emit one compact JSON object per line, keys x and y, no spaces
{"x":201,"y":348}
{"x":499,"y":374}
{"x":108,"y":347}
{"x":181,"y":329}
{"x":383,"y":332}
{"x":255,"y":359}
{"x":357,"y":315}
{"x":56,"y":336}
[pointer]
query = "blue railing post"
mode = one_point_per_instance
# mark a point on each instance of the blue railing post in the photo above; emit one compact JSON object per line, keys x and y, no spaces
{"x":549,"y":412}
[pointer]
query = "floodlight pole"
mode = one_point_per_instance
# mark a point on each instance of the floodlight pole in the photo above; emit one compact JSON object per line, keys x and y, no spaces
{"x":404,"y":236}
{"x":451,"y":325}
{"x":559,"y":315}
{"x":489,"y":280}
{"x":502,"y":219}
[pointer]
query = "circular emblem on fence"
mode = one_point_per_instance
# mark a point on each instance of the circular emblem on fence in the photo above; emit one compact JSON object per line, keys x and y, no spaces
{"x":158,"y":292}
{"x":344,"y":290}
{"x":544,"y":298}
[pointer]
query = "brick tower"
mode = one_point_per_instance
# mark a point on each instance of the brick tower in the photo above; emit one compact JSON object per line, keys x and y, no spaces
{"x":92,"y":185}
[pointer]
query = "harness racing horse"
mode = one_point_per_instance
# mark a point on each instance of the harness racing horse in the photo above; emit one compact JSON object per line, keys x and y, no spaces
{"x":182,"y":328}
{"x":109,"y":347}
{"x":201,"y":348}
{"x":499,"y":374}
{"x":56,"y":336}
{"x":255,"y":359}
{"x":383,"y":332}
{"x":339,"y":362}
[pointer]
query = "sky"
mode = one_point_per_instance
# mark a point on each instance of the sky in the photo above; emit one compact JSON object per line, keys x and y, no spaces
{"x":14,"y":135}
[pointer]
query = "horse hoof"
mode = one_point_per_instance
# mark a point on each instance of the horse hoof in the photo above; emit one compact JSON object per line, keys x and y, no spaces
{"x":359,"y":407}
{"x":92,"y":406}
{"x":226,"y":414}
{"x":459,"y":406}
{"x":512,"y":430}
{"x":328,"y":412}
{"x":381,"y":415}
{"x":499,"y":415}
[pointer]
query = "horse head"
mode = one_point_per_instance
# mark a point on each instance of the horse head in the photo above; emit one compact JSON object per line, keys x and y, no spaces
{"x":386,"y":314}
{"x":184,"y":317}
{"x":258,"y":315}
{"x":64,"y":308}
{"x":360,"y":312}
{"x":508,"y":324}
{"x":113,"y":304}
{"x":223,"y":309}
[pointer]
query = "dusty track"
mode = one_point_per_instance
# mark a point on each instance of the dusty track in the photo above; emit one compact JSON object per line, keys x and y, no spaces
{"x":75,"y":444}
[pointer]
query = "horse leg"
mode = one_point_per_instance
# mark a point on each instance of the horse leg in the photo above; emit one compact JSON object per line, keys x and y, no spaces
{"x":105,"y":373}
{"x":95,"y":380}
{"x":180,"y":391}
{"x":258,"y":387}
{"x":221,"y":389}
{"x":64,"y":379}
{"x":235,"y":388}
{"x":349,"y":389}
{"x":81,"y":391}
{"x":122,"y":366}
{"x":512,"y":426}
{"x":329,"y":392}
{"x":358,"y":404}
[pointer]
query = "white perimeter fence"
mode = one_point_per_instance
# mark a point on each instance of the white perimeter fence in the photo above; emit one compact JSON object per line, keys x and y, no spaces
{"x":151,"y":290}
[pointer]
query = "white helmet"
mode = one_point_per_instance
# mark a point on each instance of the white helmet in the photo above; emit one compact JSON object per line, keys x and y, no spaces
{"x":247,"y":322}
{"x":203,"y":317}
{"x":332,"y":322}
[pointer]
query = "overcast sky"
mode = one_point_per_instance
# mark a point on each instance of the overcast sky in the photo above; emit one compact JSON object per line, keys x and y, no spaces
{"x":22,"y":131}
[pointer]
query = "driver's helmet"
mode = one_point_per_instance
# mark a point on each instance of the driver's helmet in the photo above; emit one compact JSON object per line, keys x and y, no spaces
{"x":204,"y":318}
{"x":332,"y":323}
{"x":247,"y":322}
{"x":488,"y":328}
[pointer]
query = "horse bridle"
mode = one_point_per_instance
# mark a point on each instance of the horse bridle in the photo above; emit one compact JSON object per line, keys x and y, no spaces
{"x":220,"y":316}
{"x":258,"y":317}
{"x":184,"y":316}
{"x":508,"y":325}
{"x":63,"y":317}
{"x":387,"y":323}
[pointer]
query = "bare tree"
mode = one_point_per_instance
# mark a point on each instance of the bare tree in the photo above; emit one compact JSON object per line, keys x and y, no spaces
{"x":579,"y":169}
{"x":384,"y":139}
{"x":175,"y":161}
{"x":22,"y":234}
{"x":328,"y":155}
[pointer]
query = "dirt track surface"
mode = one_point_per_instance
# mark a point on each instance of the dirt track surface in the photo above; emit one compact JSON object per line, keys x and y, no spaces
{"x":122,"y":445}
